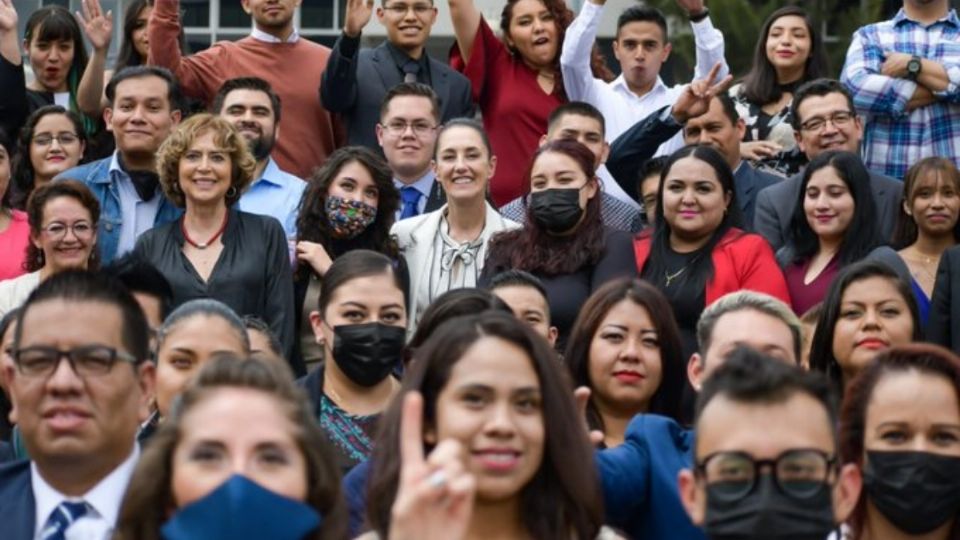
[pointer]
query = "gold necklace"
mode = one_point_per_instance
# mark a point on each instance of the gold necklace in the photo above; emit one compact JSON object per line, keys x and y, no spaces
{"x":670,"y":277}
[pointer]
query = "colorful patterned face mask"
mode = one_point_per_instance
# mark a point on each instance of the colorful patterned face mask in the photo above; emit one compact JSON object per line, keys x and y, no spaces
{"x":349,"y":218}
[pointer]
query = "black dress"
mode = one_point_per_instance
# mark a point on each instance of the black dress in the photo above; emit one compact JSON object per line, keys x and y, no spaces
{"x":252,"y":274}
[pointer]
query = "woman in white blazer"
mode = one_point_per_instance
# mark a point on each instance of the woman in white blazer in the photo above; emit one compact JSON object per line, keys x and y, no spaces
{"x":445,"y":249}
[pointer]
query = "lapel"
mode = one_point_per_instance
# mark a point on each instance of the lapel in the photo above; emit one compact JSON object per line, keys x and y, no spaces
{"x":745,"y":183}
{"x":18,"y":506}
{"x":440,"y":81}
{"x":437,"y":197}
{"x":385,"y":68}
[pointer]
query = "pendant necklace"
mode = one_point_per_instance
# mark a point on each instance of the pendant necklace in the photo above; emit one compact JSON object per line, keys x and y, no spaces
{"x":203,"y":245}
{"x":670,"y":277}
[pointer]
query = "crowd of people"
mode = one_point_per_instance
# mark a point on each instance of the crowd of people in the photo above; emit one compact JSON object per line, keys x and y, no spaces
{"x":277,"y":290}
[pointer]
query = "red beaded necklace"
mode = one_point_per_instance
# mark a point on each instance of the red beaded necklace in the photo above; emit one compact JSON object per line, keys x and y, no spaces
{"x":204,"y":245}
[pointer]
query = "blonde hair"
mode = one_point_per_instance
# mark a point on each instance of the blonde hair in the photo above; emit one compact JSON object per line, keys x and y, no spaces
{"x":225,"y":136}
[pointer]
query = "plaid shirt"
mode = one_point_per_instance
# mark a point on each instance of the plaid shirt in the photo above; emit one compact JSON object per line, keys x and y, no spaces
{"x":894,"y":139}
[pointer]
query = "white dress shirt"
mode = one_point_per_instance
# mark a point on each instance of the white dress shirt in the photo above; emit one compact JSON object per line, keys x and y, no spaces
{"x":622,"y":108}
{"x":138,"y":216}
{"x":260,"y":35}
{"x":104,"y":501}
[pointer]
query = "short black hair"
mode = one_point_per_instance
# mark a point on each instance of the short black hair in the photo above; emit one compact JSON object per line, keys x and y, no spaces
{"x":729,"y":107}
{"x":411,"y":89}
{"x":139,"y":276}
{"x":85,"y":286}
{"x":517,"y":278}
{"x":174,"y":95}
{"x":817,"y":87}
{"x":651,"y":167}
{"x":579,"y":108}
{"x":246,"y":83}
{"x":252,"y":322}
{"x":749,"y":376}
{"x":642,"y":14}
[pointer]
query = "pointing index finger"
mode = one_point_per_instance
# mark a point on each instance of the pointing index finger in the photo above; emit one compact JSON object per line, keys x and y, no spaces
{"x":411,"y":430}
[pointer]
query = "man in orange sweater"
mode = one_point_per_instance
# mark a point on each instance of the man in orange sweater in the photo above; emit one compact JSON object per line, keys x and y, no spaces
{"x":274,"y":52}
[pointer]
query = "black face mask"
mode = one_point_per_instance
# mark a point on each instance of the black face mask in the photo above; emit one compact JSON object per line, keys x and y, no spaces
{"x":916,"y":491}
{"x":768,"y":514}
{"x":556,"y":210}
{"x":366,"y":353}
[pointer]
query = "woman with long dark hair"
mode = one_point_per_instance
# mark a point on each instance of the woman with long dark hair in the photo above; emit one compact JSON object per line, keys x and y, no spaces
{"x":789,"y":53}
{"x":834,"y":224}
{"x":928,"y":224}
{"x":868,"y":308}
{"x":698,"y":252}
{"x":564,"y":241}
{"x":516,"y":80}
{"x":477,"y":379}
{"x":51,"y":142}
{"x":625,"y":347}
{"x":900,"y":423}
{"x":350,"y":203}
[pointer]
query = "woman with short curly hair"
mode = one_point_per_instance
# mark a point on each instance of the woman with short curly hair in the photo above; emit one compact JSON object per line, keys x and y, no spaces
{"x":214,"y":250}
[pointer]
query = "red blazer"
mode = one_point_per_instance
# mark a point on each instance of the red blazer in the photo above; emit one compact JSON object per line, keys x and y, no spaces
{"x":740,"y":261}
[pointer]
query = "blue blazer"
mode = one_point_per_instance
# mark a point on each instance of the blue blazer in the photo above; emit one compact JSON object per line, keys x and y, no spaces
{"x":17,"y":505}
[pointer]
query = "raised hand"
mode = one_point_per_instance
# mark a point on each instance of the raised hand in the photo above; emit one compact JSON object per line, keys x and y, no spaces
{"x":357,"y":17}
{"x":97,"y":26}
{"x":692,"y":7}
{"x":8,"y":16}
{"x":313,"y":254}
{"x":435,"y":496}
{"x":695,"y":98}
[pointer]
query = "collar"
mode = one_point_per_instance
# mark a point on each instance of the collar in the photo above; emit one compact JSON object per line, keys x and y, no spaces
{"x":620,"y":84}
{"x":951,"y":18}
{"x":424,"y":184}
{"x":260,"y":35}
{"x":271,"y":174}
{"x":104,"y":498}
{"x":114,"y":172}
{"x":738,"y":167}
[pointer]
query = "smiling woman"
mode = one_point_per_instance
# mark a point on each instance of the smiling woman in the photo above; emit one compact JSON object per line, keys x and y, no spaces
{"x":213,"y":250}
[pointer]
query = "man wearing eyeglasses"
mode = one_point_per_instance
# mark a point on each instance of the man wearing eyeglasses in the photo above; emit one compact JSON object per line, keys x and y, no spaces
{"x":823,"y":119}
{"x":765,"y":458}
{"x":407,"y":133}
{"x":356,"y":81}
{"x":81,"y":385}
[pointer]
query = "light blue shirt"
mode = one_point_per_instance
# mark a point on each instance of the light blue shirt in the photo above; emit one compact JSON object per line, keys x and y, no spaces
{"x":139,"y":216}
{"x":276,"y":194}
{"x":424,"y":185}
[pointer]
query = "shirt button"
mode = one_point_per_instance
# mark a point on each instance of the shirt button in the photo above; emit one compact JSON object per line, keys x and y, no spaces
{"x":108,"y":227}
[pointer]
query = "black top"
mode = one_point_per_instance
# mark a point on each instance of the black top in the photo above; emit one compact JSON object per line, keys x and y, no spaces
{"x":566,"y":293}
{"x":687,"y":307}
{"x":252,"y":274}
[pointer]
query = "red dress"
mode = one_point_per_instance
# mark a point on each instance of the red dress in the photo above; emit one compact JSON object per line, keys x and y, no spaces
{"x":515,"y":109}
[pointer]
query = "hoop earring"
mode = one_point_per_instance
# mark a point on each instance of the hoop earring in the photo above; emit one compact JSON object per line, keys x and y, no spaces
{"x":232,"y":192}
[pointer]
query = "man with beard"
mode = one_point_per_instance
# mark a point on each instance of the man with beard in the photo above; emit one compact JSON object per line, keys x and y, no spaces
{"x":254,"y":109}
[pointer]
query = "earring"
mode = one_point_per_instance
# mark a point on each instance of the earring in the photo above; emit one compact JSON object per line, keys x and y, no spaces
{"x":232,"y":192}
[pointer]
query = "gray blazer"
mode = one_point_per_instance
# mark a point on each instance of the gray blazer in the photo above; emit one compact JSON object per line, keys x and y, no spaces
{"x":775,"y":206}
{"x":356,"y":81}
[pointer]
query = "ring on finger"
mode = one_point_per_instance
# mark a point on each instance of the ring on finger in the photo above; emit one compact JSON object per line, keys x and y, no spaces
{"x":437,"y":479}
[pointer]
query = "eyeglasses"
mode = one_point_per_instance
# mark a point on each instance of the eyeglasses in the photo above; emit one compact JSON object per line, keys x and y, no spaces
{"x":399,"y":10}
{"x":800,"y":473}
{"x":86,"y":361}
{"x":57,"y":230}
{"x":399,"y":127}
{"x":64,"y":139}
{"x":817,"y":123}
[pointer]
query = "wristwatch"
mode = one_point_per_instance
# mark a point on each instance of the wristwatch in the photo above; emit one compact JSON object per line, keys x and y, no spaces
{"x":700,"y":16}
{"x":913,"y":68}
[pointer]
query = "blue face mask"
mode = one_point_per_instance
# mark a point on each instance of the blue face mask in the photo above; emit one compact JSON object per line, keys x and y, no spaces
{"x":241,"y":509}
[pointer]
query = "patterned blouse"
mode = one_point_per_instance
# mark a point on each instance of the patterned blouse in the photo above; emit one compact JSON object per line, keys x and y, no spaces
{"x":777,"y":128}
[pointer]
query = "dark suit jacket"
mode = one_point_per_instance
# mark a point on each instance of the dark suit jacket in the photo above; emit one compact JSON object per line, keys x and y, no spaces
{"x":775,"y":206}
{"x":356,"y":81}
{"x":639,"y":143}
{"x":437,"y":198}
{"x":945,"y":303}
{"x":17,"y":505}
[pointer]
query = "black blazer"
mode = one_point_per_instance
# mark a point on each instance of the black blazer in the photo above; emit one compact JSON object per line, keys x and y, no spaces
{"x":775,"y":206}
{"x":945,"y":303}
{"x":17,"y":505}
{"x":356,"y":81}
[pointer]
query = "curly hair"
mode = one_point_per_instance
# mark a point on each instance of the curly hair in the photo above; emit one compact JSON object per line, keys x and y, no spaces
{"x":147,"y":503}
{"x":22,"y":167}
{"x":225,"y":136}
{"x":36,"y":205}
{"x":563,"y":16}
{"x":312,"y":224}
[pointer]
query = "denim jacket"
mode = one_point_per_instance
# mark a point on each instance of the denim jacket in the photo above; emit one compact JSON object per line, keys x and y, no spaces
{"x":102,"y":182}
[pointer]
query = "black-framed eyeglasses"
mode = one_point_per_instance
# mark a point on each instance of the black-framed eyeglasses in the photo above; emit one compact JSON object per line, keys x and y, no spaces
{"x":86,"y":361}
{"x":399,"y":127}
{"x":840,"y":118}
{"x":800,"y":473}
